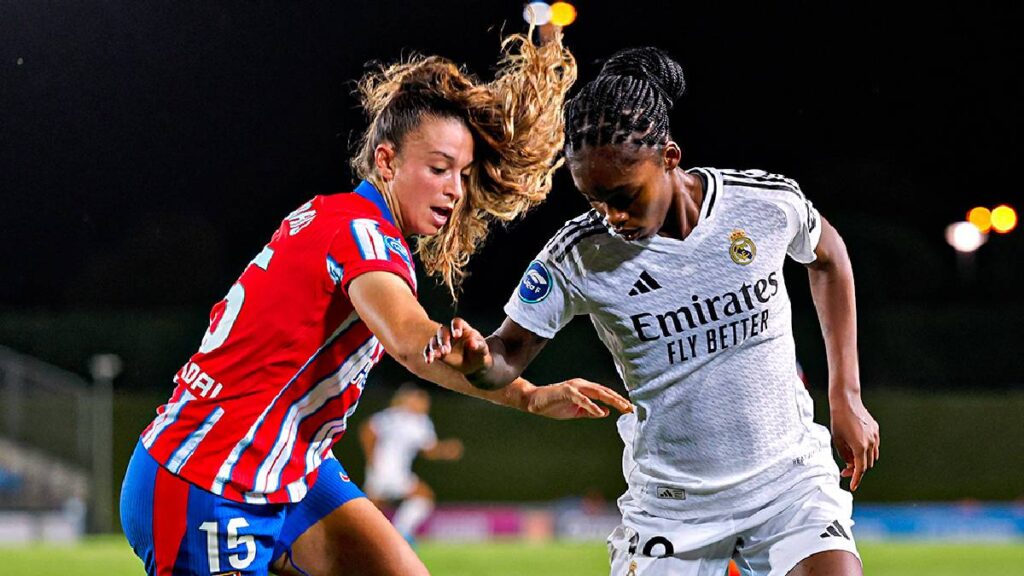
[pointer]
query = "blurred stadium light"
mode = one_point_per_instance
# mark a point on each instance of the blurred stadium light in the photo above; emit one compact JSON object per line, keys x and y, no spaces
{"x":557,"y":14}
{"x":103,"y":368}
{"x":537,"y":13}
{"x":964,"y":237}
{"x":1004,"y":219}
{"x":563,"y":13}
{"x":981,"y":217}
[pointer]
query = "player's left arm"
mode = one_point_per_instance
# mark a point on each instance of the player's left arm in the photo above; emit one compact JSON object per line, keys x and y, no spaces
{"x":854,"y":430}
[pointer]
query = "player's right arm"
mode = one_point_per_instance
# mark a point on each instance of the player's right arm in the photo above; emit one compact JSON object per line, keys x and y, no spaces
{"x":389,"y":308}
{"x":448,"y":449}
{"x":544,"y":302}
{"x":367,"y":440}
{"x":505,"y":356}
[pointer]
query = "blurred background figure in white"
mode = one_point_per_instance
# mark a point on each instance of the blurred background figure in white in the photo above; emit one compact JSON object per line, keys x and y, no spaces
{"x":391,"y":440}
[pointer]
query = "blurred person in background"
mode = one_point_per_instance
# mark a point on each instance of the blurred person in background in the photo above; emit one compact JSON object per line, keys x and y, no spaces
{"x":235,"y":474}
{"x":681,"y":273}
{"x":391,"y":440}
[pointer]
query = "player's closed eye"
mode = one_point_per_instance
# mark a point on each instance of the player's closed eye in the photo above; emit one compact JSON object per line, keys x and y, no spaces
{"x":621,"y":201}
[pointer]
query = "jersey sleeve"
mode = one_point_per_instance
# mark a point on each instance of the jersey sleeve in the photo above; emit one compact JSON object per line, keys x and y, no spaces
{"x":804,"y":227}
{"x":546,"y":298}
{"x":364,"y":245}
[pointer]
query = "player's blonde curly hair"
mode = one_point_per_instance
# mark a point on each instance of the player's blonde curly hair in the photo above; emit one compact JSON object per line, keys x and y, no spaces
{"x":517,"y":126}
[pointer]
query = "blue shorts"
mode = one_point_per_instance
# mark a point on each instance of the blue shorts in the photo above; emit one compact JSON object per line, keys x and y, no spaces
{"x":178,"y":528}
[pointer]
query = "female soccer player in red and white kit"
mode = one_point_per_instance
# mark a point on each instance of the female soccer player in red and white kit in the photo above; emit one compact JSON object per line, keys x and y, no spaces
{"x":235,"y":474}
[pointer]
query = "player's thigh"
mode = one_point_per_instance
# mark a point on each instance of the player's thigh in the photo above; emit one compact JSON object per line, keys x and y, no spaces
{"x":814,"y":532}
{"x":665,"y":552}
{"x":421,"y":489}
{"x":353,"y":539}
{"x":335,"y":529}
{"x":177,"y":528}
{"x":840,"y":562}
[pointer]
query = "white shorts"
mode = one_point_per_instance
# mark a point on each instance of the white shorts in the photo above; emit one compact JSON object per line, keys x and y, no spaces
{"x":384,"y":486}
{"x":766,"y":542}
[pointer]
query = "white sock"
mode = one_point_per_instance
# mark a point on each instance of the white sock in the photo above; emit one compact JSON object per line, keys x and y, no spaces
{"x":411,"y":513}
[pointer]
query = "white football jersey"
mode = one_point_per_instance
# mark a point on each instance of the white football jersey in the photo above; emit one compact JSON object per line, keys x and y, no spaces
{"x":701,"y":333}
{"x":401,"y":435}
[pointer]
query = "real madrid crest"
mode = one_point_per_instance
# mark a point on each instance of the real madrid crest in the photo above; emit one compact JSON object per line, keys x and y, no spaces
{"x":741,"y":248}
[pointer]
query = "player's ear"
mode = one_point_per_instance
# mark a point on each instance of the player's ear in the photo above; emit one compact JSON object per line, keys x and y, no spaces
{"x":671,"y":155}
{"x":384,"y":159}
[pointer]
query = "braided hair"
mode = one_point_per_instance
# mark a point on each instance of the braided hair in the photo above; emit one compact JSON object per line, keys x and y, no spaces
{"x":628,"y":102}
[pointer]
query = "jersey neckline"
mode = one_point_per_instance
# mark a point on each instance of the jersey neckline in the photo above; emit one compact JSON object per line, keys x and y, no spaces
{"x":712,"y":180}
{"x":370,"y":192}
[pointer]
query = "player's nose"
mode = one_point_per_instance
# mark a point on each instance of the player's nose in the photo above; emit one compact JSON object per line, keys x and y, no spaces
{"x":616,"y":217}
{"x":455,"y":188}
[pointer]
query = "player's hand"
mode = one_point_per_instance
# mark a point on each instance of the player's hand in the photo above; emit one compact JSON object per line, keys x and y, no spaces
{"x":460,"y":346}
{"x":450,"y":449}
{"x":575,"y":399}
{"x":855,"y":434}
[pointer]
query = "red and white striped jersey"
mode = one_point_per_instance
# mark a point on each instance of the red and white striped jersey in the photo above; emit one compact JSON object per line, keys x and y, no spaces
{"x":281,"y":368}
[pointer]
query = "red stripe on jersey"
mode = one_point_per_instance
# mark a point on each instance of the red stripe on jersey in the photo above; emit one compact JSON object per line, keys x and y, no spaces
{"x":270,"y":430}
{"x":170,"y":508}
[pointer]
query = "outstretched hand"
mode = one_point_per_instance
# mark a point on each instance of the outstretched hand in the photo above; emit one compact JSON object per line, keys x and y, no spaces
{"x":575,"y":399}
{"x":855,"y":433}
{"x":460,"y":346}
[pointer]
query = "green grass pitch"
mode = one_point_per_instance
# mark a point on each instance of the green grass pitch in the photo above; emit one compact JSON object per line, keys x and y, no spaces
{"x":110,"y":556}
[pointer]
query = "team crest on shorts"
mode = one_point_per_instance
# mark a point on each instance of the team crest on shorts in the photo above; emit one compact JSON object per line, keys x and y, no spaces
{"x":536,"y":283}
{"x":741,"y":248}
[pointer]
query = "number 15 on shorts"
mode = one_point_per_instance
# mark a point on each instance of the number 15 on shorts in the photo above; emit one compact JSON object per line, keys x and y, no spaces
{"x":241,"y":548}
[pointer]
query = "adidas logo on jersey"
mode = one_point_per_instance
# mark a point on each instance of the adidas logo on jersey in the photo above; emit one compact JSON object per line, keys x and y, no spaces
{"x":645,"y":284}
{"x":670,"y":493}
{"x":835,"y":530}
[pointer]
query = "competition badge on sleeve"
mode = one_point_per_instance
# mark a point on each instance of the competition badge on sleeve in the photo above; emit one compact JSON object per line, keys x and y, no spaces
{"x":536,"y":283}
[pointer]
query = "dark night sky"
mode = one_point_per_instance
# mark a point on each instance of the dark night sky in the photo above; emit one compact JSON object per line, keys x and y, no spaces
{"x":147,"y":150}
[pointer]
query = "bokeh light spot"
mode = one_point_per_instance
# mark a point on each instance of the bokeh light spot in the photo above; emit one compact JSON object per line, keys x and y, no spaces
{"x":964,"y":237}
{"x":563,"y":13}
{"x":537,"y":13}
{"x":1004,"y":219}
{"x":981,"y":217}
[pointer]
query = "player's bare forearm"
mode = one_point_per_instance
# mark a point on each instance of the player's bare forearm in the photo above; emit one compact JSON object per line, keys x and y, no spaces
{"x":514,"y":394}
{"x":387,"y":306}
{"x":512,"y":348}
{"x":854,"y":430}
{"x":450,"y":449}
{"x":832,"y":288}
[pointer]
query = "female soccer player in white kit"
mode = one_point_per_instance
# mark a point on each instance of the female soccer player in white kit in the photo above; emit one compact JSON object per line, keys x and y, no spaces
{"x":681,"y":273}
{"x":391,"y":440}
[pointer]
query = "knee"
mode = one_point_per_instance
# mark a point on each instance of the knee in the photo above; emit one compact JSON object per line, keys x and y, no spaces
{"x":423,"y":491}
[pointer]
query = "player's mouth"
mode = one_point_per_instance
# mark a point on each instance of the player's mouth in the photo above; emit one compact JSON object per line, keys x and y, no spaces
{"x":441,"y":215}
